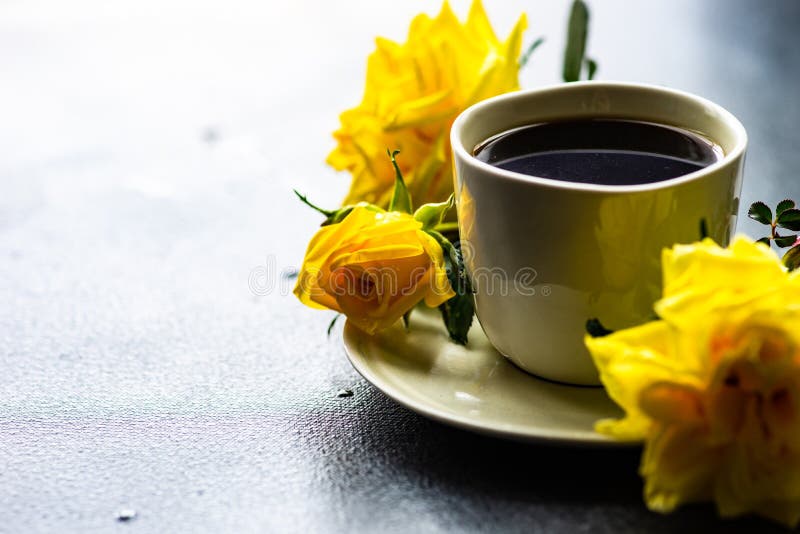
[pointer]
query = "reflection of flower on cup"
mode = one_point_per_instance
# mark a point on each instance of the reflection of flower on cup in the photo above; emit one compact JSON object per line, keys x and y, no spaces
{"x":596,"y":246}
{"x":629,"y":257}
{"x":414,"y":91}
{"x":713,"y":387}
{"x":466,"y":222}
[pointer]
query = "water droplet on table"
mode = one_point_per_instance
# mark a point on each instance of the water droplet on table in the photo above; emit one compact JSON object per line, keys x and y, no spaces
{"x":211,"y":135}
{"x":126,"y":514}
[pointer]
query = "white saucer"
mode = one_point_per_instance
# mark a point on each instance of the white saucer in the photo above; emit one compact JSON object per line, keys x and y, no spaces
{"x":475,"y":387}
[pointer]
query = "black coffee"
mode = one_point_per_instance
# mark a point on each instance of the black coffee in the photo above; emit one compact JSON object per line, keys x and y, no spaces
{"x":600,"y":151}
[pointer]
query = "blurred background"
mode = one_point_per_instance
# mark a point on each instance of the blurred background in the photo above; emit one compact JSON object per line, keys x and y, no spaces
{"x":174,"y":100}
{"x":148,"y":151}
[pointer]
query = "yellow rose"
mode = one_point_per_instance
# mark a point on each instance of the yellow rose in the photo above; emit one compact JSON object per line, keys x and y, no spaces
{"x":413,"y":93}
{"x":713,"y":387}
{"x":706,"y":276}
{"x":373,"y":266}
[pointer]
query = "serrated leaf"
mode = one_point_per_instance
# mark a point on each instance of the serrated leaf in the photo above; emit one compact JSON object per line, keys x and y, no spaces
{"x":790,"y":219}
{"x":577,"y":30}
{"x":785,"y":240}
{"x":596,"y":329}
{"x":760,"y":212}
{"x":792,"y":258}
{"x":764,"y":240}
{"x":401,"y":199}
{"x":431,"y":215}
{"x":784,"y":205}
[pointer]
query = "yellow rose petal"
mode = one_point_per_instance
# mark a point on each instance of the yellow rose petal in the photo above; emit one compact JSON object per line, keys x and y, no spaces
{"x":713,"y":387}
{"x":414,"y":90}
{"x":373,"y":266}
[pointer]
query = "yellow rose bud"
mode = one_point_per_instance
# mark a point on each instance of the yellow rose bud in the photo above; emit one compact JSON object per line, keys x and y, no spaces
{"x":373,"y":266}
{"x":713,"y":387}
{"x":414,"y":91}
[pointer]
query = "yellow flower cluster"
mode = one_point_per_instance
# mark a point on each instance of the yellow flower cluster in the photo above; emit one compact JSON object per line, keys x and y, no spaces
{"x":414,"y":91}
{"x":373,"y":266}
{"x":713,"y":387}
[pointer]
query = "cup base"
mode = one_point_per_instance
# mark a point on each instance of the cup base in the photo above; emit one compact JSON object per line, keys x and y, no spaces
{"x":596,"y":384}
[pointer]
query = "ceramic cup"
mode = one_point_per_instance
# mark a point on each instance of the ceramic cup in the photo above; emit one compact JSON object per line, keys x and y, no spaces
{"x":546,"y":255}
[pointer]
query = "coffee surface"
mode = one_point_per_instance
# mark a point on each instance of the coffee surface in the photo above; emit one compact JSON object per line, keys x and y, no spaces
{"x":600,"y":151}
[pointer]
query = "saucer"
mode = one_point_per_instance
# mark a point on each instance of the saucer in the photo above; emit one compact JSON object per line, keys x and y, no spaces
{"x":475,"y":387}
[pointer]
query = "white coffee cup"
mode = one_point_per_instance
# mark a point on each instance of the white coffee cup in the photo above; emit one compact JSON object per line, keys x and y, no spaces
{"x":546,"y":255}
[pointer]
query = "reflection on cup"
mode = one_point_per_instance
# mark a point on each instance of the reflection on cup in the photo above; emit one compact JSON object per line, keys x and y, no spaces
{"x":546,"y":254}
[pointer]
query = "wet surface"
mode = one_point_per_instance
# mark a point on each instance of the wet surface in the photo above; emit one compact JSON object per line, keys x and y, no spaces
{"x":154,"y":359}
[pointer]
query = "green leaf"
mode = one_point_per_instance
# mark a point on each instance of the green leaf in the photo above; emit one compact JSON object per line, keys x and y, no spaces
{"x":596,"y":329}
{"x":304,"y":200}
{"x":524,"y":58}
{"x":577,"y":30}
{"x":764,"y":240}
{"x":784,"y":205}
{"x":432,"y":215}
{"x":338,"y":215}
{"x":591,"y":68}
{"x":333,"y":323}
{"x":790,"y":219}
{"x":792,"y":258}
{"x":457,"y":312}
{"x":332,"y":216}
{"x":760,"y":212}
{"x":401,"y":199}
{"x":785,"y":240}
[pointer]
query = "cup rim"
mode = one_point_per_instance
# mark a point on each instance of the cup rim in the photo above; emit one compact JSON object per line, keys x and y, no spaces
{"x":726,"y":116}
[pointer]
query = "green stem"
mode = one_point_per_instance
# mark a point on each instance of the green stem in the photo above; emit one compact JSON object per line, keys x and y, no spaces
{"x":446,"y":227}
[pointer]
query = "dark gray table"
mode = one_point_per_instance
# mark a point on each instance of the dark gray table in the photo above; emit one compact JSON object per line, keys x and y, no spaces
{"x":148,"y":155}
